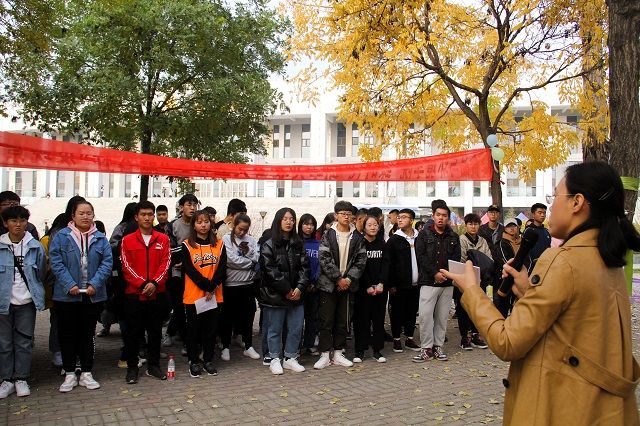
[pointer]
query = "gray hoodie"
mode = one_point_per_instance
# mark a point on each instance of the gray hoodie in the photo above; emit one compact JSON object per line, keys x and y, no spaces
{"x":241,"y":268}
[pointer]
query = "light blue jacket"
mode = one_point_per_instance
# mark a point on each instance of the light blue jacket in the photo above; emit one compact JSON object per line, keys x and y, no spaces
{"x":34,"y":267}
{"x":64,"y":258}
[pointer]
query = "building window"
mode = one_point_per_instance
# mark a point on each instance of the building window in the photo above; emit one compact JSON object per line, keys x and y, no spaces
{"x":260,"y":191}
{"x":280,"y":189}
{"x":572,"y":120}
{"x":76,"y":183}
{"x":513,"y":186}
{"x":286,"y":153}
{"x":455,"y":188}
{"x":60,"y":183}
{"x":34,"y":181}
{"x":296,"y":188}
{"x":127,"y":186}
{"x":530,"y":187}
{"x":431,"y":189}
{"x":371,"y":189}
{"x":18,"y":184}
{"x":477,"y":189}
{"x":342,"y":141}
{"x":355,"y":139}
{"x":356,"y":189}
{"x":276,"y":141}
{"x":339,"y":189}
{"x":410,"y":189}
{"x":306,"y":141}
{"x":66,"y":138}
{"x":111,"y":184}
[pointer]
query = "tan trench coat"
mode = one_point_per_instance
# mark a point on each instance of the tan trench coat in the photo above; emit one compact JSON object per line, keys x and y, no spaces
{"x":568,"y":340}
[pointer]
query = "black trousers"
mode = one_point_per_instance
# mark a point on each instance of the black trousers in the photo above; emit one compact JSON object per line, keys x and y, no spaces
{"x":404,"y":307}
{"x":77,"y":331}
{"x":201,"y":333}
{"x":465,"y":325}
{"x":238,"y":312}
{"x":368,"y":315}
{"x":177,"y":324}
{"x":311,"y":302}
{"x":141,"y":317}
{"x":332,"y":320}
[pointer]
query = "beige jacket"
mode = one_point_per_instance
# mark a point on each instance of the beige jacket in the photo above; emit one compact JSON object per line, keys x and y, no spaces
{"x":568,"y":340}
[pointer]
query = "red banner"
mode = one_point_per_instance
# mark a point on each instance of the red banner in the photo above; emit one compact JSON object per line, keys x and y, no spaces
{"x":37,"y":153}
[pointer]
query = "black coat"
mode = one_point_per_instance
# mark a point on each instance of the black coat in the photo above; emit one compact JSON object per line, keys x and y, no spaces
{"x":377,"y":268}
{"x":399,"y":254}
{"x":428,"y":248}
{"x":284,"y":266}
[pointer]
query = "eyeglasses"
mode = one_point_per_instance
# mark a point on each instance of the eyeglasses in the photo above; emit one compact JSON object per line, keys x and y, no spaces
{"x":288,"y":219}
{"x":550,"y":198}
{"x":345,"y":214}
{"x":83,"y":214}
{"x":404,"y":216}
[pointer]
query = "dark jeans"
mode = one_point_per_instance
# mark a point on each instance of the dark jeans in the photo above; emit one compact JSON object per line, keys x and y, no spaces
{"x":143,"y":316}
{"x":332,"y":320}
{"x":464,"y":322}
{"x":311,"y":302}
{"x":368,"y":315}
{"x":238,"y":312}
{"x":201,"y":332}
{"x":16,"y":341}
{"x":54,"y":339}
{"x":503,"y":304}
{"x":177,"y":324}
{"x":404,"y":307}
{"x":77,"y":330}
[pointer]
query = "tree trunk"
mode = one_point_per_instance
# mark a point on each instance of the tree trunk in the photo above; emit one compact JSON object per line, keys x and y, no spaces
{"x":144,"y":179}
{"x":496,"y":187}
{"x":624,"y":81}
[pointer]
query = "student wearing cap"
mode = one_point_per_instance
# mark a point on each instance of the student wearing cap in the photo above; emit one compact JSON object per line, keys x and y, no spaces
{"x":492,"y":230}
{"x":507,"y":249}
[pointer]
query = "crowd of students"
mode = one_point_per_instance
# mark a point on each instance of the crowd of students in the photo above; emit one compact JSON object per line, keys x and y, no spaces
{"x":316,"y":286}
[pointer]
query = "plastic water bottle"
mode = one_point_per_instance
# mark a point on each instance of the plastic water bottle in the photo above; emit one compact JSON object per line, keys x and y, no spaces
{"x":171,"y":369}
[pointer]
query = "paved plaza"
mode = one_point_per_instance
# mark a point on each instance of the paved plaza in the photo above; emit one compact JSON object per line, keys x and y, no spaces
{"x":467,"y":389}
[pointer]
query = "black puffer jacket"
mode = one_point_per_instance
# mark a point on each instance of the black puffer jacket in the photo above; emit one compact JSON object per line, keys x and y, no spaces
{"x":430,"y":248}
{"x":284,"y":266}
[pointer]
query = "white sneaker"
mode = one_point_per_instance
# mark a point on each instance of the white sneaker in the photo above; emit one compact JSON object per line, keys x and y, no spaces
{"x":22,"y":388}
{"x":70,"y":382}
{"x":57,"y":359}
{"x":225,"y":355}
{"x":251,"y":353}
{"x":357,"y":360}
{"x":87,"y":380}
{"x":339,"y":359}
{"x":323,"y":362}
{"x":167,"y":340}
{"x":6,"y":389}
{"x":293,"y":365}
{"x":275,"y":366}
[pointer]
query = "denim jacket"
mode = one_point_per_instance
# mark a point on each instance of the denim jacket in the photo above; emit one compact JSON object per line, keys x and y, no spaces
{"x":34,"y":267}
{"x":64,"y":258}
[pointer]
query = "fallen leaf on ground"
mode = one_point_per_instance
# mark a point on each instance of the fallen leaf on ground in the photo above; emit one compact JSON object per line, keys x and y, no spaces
{"x":344,"y":410}
{"x":461,"y":412}
{"x":284,"y":394}
{"x":493,"y":401}
{"x":191,"y":396}
{"x":449,"y":404}
{"x":177,"y":410}
{"x":466,"y":405}
{"x":334,"y":401}
{"x":190,"y":401}
{"x":284,"y":410}
{"x":372,"y":404}
{"x":438,"y":418}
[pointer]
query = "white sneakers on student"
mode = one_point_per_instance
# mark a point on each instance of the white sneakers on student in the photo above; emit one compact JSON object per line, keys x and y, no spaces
{"x":339,"y":359}
{"x":225,"y":355}
{"x":293,"y":365}
{"x":275,"y":367}
{"x":6,"y":389}
{"x":22,"y":388}
{"x":323,"y":362}
{"x":87,"y":380}
{"x":70,"y":382}
{"x":251,"y":353}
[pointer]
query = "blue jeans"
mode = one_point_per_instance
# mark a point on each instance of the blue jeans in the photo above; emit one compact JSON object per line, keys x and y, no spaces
{"x":16,"y":335}
{"x":275,"y":319}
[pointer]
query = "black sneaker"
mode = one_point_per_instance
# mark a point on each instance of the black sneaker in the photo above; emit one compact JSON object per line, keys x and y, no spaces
{"x":477,"y":342}
{"x":397,"y":346}
{"x":425,"y":354}
{"x":210,"y":368}
{"x":439,"y":353}
{"x":132,"y":376}
{"x":266,"y":361}
{"x":195,"y":369}
{"x":410,"y":344}
{"x":465,"y":343}
{"x":359,"y":356}
{"x":155,"y":371}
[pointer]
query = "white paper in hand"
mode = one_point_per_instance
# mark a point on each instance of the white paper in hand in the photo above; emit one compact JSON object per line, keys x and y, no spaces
{"x":458,"y":268}
{"x":202,"y":305}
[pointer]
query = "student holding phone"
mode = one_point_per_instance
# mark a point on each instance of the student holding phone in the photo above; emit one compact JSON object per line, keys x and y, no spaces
{"x":81,"y":261}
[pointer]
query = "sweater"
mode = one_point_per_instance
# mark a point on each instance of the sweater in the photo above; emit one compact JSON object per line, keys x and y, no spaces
{"x":241,"y":268}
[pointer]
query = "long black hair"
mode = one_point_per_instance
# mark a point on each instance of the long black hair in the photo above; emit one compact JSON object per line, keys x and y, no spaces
{"x":304,"y":219}
{"x":601,"y":186}
{"x":276,"y":227}
{"x":328,"y":219}
{"x":128,"y":213}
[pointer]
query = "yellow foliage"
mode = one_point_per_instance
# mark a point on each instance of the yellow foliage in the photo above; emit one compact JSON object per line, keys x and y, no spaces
{"x":452,"y":68}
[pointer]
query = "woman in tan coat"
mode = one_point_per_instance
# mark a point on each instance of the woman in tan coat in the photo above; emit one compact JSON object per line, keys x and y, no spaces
{"x":569,"y":335}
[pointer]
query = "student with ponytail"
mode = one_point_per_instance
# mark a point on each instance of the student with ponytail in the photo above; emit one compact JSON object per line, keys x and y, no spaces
{"x":569,"y":334}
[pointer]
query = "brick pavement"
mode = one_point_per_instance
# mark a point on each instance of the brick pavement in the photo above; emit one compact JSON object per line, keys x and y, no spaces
{"x":466,"y":389}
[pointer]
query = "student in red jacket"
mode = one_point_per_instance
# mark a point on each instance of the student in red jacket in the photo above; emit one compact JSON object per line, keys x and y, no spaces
{"x":146,"y":256}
